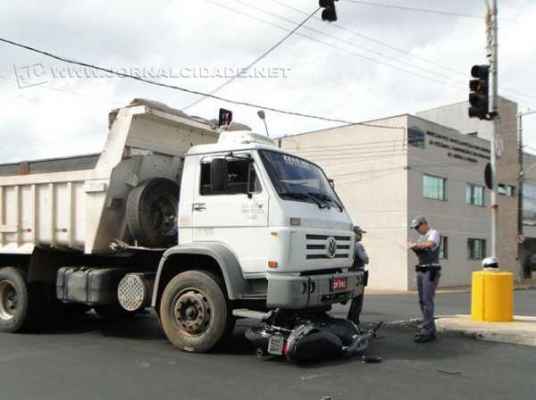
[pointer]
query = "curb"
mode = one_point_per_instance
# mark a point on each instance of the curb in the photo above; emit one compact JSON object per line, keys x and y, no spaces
{"x":494,"y":337}
{"x":524,"y":338}
{"x":519,"y":332}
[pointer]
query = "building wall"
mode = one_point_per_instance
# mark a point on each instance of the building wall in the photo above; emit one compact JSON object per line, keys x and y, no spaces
{"x":445,"y":155}
{"x":527,"y":249}
{"x":367,"y":165}
{"x":379,"y":177}
{"x":455,"y":116}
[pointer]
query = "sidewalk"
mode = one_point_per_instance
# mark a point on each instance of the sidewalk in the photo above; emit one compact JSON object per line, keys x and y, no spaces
{"x":521,"y":331}
{"x":525,"y":285}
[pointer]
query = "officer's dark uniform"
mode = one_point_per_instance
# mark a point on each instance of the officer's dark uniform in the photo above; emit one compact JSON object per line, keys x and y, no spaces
{"x":360,"y":260}
{"x":428,"y":274}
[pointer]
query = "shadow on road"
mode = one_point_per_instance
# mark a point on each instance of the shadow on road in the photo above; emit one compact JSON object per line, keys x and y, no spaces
{"x":392,"y":343}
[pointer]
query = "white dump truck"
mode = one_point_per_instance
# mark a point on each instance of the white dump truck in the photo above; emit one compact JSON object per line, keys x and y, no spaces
{"x":202,"y":224}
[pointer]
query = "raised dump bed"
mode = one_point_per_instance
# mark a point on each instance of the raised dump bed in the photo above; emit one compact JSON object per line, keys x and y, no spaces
{"x":87,"y":202}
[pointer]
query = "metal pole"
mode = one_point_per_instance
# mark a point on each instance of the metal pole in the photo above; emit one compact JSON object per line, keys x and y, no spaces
{"x":521,"y":173}
{"x":493,"y":110}
{"x":266,"y":127}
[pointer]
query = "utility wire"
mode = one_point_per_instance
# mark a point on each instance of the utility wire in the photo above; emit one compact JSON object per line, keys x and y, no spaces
{"x":185,"y":90}
{"x":322,"y":147}
{"x":352,"y":148}
{"x":405,"y":52}
{"x":416,"y":9}
{"x":254,"y":62}
{"x":347,"y":149}
{"x":332,"y":46}
{"x":348,"y":42}
{"x":362,"y":158}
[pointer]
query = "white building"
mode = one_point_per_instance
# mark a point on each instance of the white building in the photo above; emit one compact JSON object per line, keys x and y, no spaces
{"x":390,"y":170}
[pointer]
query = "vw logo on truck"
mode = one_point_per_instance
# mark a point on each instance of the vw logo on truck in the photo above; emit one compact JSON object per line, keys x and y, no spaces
{"x":332,"y":247}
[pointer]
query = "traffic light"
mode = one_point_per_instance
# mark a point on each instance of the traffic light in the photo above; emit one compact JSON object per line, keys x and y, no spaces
{"x":329,"y":13}
{"x":225,"y":117}
{"x":479,"y":96}
{"x":488,"y":176}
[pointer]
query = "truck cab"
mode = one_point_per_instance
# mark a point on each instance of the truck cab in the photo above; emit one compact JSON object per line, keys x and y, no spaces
{"x":275,"y":211}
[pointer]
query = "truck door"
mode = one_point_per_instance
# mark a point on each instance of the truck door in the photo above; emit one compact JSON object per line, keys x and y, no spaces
{"x":237,"y":215}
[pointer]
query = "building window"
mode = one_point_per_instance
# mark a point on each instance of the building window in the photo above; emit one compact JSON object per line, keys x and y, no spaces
{"x":444,"y":248}
{"x":434,"y":187}
{"x":476,"y":248}
{"x":416,"y":137}
{"x":475,"y":195}
{"x":506,"y":190}
{"x":529,"y":204}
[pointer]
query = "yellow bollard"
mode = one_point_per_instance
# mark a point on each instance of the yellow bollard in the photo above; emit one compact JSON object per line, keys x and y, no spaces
{"x":492,"y":296}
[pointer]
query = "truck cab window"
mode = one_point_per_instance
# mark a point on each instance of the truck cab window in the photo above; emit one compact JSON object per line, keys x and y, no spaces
{"x":240,"y":173}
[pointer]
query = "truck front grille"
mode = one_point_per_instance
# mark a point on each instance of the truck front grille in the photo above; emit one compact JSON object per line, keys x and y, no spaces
{"x":317,"y":247}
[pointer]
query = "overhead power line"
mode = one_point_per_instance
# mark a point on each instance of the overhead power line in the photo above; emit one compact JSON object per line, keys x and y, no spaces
{"x":323,"y":33}
{"x":405,"y":52}
{"x":333,"y":46}
{"x":190,"y":91}
{"x":416,"y":9}
{"x":254,"y":62}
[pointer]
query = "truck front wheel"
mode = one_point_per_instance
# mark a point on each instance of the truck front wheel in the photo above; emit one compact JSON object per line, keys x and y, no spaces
{"x":194,"y":311}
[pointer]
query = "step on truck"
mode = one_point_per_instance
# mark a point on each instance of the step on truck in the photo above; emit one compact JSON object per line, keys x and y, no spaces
{"x":199,"y":223}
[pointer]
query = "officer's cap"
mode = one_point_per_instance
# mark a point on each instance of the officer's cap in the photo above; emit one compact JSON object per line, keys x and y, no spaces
{"x":358,"y":230}
{"x":418,"y":221}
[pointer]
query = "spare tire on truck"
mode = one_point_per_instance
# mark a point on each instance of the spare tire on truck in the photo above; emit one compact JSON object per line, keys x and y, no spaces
{"x":152,"y":209}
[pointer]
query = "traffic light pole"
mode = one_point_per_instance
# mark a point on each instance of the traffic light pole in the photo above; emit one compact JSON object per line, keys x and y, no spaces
{"x":492,"y":30}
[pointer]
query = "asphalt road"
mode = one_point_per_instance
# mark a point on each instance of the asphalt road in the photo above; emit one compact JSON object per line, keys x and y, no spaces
{"x":92,"y":359}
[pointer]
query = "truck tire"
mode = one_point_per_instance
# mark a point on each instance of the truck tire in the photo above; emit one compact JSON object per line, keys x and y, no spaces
{"x":15,"y":310}
{"x":152,"y":212}
{"x":194,"y":311}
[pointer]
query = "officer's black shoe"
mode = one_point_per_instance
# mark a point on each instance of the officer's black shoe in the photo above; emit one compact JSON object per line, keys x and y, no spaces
{"x":425,"y":338}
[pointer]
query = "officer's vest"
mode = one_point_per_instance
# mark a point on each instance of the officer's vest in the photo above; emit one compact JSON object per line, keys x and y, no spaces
{"x":358,"y":262}
{"x":428,"y":256}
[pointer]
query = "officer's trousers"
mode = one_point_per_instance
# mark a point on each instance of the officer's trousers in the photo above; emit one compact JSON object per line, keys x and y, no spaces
{"x":427,"y":284}
{"x":354,"y":313}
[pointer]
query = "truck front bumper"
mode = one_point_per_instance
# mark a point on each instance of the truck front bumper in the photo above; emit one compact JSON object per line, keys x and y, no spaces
{"x":292,"y":291}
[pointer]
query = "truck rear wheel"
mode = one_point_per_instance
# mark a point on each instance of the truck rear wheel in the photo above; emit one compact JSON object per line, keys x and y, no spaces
{"x":194,"y":311}
{"x":14,"y":300}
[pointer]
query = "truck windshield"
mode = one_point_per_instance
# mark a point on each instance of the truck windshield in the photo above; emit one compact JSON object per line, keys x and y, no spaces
{"x":297,"y":179}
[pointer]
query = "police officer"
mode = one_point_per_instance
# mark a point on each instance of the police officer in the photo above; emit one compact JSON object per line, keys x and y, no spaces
{"x":360,"y":260}
{"x":428,"y":273}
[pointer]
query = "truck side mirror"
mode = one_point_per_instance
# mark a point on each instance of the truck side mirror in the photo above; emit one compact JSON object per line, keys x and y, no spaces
{"x":218,"y":174}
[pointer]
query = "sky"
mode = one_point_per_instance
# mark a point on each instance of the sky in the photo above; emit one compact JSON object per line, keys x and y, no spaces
{"x":374,"y":62}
